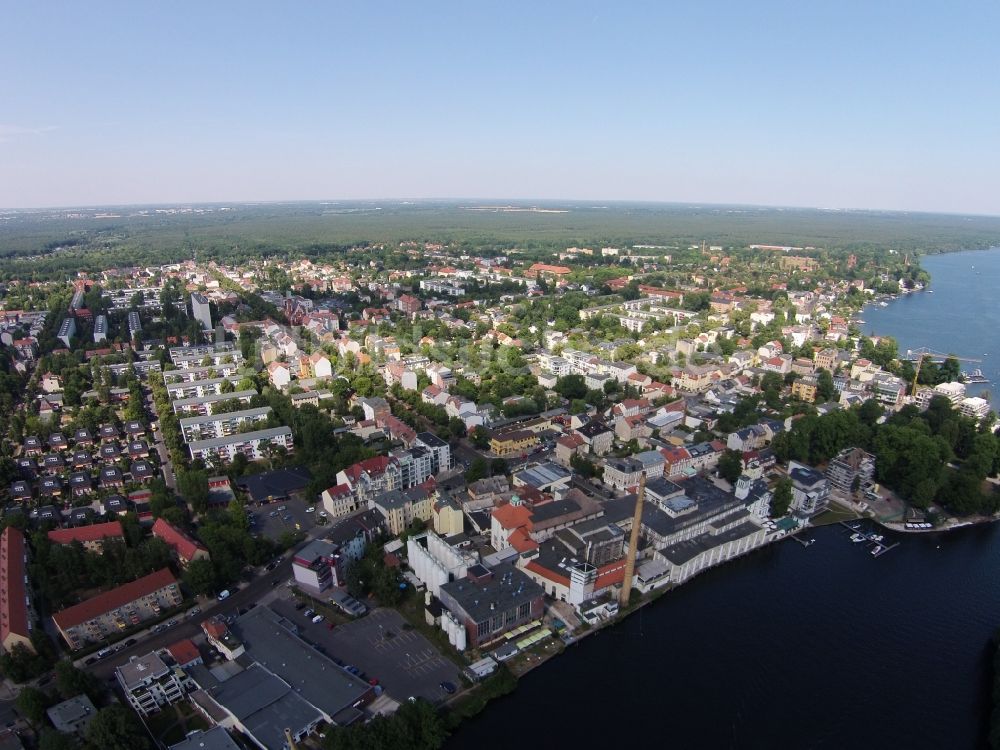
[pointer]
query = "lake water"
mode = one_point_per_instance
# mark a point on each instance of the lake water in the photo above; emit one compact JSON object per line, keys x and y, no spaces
{"x":959,"y":313}
{"x":791,"y":647}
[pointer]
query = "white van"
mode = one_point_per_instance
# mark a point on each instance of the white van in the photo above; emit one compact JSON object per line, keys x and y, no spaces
{"x":223,"y":595}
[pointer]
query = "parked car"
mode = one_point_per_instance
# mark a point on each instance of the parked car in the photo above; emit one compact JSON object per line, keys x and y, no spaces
{"x":448,"y":687}
{"x":318,"y":619}
{"x":311,"y":509}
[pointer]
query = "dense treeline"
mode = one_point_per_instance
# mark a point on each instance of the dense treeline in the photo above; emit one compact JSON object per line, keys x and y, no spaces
{"x":926,"y":457}
{"x":44,"y":246}
{"x":59,"y":572}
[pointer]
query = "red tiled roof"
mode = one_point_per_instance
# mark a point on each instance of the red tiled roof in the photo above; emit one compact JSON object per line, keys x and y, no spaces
{"x":13,"y":597}
{"x":512,"y":516}
{"x":183,"y":545}
{"x":93,"y":533}
{"x":339,"y":491}
{"x":119,"y":597}
{"x":184,"y":652}
{"x":520,"y":540}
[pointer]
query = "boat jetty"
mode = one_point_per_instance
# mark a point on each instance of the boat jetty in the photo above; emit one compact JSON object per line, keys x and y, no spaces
{"x":877,"y":544}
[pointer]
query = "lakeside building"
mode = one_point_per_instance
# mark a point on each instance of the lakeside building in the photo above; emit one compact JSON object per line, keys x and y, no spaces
{"x":810,"y":490}
{"x":849,"y":466}
{"x":488,"y":603}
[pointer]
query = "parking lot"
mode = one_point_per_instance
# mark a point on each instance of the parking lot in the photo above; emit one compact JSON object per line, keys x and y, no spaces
{"x":272,"y":521}
{"x":403,"y":661}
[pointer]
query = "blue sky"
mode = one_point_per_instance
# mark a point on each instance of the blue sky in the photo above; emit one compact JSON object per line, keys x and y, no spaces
{"x":839,"y":104}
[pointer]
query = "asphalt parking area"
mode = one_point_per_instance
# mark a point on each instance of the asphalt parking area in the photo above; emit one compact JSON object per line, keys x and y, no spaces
{"x":404,"y":662}
{"x":273,"y":526}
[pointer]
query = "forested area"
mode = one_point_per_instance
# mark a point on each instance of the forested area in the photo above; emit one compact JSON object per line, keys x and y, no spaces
{"x":935,"y":456}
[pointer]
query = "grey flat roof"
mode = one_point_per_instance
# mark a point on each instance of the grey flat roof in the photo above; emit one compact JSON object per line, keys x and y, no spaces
{"x":216,"y":738}
{"x":508,"y":588}
{"x":208,"y":418}
{"x":265,"y":705}
{"x":200,"y":383}
{"x":141,"y":668}
{"x":244,"y":437}
{"x":211,"y":398}
{"x":687,"y":550}
{"x":315,"y":677}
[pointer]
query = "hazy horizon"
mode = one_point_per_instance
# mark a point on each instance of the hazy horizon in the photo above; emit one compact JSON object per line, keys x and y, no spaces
{"x":858,"y":106}
{"x":480,"y":202}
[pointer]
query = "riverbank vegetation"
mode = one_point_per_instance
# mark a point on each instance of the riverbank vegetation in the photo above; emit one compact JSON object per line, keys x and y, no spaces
{"x":935,"y":456}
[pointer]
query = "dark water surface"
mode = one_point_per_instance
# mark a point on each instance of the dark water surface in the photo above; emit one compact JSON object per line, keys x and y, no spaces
{"x":791,"y":647}
{"x":959,"y":313}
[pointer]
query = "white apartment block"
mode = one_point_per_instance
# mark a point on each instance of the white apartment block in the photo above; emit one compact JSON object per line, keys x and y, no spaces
{"x":220,"y":425}
{"x":253,"y":445}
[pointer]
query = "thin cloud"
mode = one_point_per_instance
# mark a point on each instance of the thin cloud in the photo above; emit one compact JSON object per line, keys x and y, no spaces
{"x":10,"y":132}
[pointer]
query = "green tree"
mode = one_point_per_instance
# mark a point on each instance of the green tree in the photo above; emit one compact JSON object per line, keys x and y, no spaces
{"x":477,"y":470}
{"x":781,"y":500}
{"x":117,"y":728}
{"x":571,"y":387}
{"x":199,"y":576}
{"x":31,"y":704}
{"x":50,"y":739}
{"x":71,"y":681}
{"x":730,"y":465}
{"x":825,"y":389}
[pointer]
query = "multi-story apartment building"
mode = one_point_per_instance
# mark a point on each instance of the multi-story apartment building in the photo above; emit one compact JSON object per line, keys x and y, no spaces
{"x":122,"y":299}
{"x":96,"y":618}
{"x":415,"y":466}
{"x":134,"y":325}
{"x":440,"y":451}
{"x":149,"y":684}
{"x":205,"y":405}
{"x":212,"y":359}
{"x":16,"y":618}
{"x":200,"y":350}
{"x":848,"y":466}
{"x":67,"y":330}
{"x":100,"y":329}
{"x":223,"y":369}
{"x":201,"y":310}
{"x":370,"y":477}
{"x":176,"y":391}
{"x":402,"y":507}
{"x":220,"y":425}
{"x":253,"y":445}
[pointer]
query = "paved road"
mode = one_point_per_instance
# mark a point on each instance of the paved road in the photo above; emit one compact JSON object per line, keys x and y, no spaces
{"x":189,"y":627}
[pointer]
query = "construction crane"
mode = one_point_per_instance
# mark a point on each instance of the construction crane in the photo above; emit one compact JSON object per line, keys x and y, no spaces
{"x":919,"y":355}
{"x":633,"y":544}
